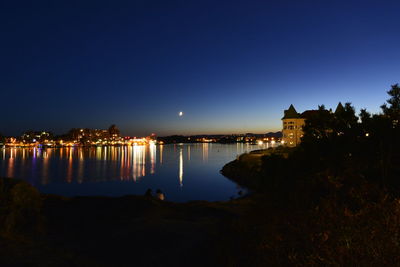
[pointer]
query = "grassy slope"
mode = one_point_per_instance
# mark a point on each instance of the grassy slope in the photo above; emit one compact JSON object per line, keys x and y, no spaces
{"x":321,"y":220}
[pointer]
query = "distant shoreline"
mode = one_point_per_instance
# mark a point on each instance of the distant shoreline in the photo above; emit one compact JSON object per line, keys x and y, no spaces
{"x":126,"y":145}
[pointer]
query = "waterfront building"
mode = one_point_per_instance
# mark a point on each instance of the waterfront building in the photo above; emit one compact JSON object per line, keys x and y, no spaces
{"x":293,"y":122}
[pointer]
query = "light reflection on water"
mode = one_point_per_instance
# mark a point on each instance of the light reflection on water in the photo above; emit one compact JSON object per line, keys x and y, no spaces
{"x":182,"y":171}
{"x":180,"y":167}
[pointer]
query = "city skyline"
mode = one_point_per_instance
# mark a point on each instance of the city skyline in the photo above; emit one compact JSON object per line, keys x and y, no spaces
{"x":230,"y":67}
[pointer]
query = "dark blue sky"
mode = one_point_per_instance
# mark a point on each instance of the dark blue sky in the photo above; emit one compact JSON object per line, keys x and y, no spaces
{"x":230,"y":66}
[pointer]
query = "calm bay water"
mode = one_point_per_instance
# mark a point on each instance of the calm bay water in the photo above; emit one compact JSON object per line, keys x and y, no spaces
{"x":183,"y":171}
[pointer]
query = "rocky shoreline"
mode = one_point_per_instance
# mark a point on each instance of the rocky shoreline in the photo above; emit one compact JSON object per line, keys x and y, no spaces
{"x":247,"y":169}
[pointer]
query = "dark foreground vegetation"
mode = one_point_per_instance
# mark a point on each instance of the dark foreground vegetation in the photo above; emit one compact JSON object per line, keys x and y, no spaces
{"x":333,"y":201}
{"x":47,"y":230}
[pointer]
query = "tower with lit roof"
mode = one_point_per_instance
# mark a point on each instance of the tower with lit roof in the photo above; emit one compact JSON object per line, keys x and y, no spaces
{"x":293,"y":124}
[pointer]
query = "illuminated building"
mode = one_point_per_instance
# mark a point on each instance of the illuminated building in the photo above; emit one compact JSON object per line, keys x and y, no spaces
{"x":293,"y":123}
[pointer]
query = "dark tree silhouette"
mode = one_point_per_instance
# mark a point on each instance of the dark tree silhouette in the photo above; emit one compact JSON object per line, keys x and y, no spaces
{"x":368,"y":144}
{"x":391,"y":109}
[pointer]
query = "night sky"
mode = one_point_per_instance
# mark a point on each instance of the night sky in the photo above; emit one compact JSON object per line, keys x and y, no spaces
{"x":230,"y":66}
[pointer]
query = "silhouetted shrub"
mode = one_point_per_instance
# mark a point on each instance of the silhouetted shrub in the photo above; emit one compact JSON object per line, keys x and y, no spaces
{"x":20,"y":207}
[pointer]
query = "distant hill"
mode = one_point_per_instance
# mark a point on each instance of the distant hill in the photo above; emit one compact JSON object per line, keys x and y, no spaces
{"x":275,"y":135}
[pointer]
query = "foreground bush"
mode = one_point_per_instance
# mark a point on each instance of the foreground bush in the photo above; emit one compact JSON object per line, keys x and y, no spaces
{"x":20,"y":207}
{"x":346,"y":226}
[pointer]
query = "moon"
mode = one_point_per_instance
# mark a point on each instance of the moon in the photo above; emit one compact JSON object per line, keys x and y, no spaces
{"x":180,"y":113}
